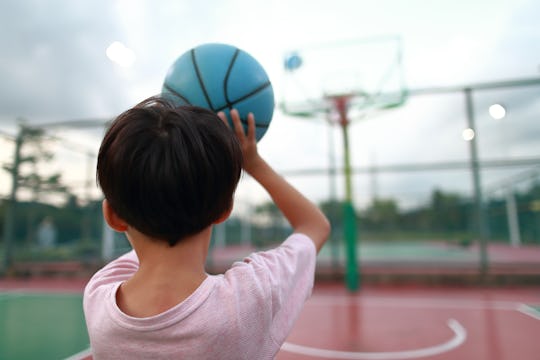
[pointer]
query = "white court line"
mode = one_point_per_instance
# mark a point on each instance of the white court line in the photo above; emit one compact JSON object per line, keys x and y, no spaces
{"x":529,"y":311}
{"x":80,"y":355}
{"x":460,"y":335}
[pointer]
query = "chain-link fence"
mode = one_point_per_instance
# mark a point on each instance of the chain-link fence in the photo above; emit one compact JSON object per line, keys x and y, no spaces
{"x":413,"y":183}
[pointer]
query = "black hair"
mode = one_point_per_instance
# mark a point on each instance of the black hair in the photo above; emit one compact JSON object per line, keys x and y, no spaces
{"x":169,"y":171}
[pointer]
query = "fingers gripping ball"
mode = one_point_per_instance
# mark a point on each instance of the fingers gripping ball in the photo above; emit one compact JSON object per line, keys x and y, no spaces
{"x":221,"y":77}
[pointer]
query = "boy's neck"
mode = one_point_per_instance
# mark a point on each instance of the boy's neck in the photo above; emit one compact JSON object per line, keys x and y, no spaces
{"x":166,"y":276}
{"x":158,"y":257}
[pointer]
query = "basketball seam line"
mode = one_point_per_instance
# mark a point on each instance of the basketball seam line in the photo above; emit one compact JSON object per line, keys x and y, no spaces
{"x":244,"y":121}
{"x":199,"y":77}
{"x":226,"y":80}
{"x":174,"y":92}
{"x":253,"y":92}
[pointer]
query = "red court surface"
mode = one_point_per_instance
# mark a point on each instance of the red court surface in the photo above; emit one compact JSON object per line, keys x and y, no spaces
{"x":417,"y":323}
{"x":397,"y":322}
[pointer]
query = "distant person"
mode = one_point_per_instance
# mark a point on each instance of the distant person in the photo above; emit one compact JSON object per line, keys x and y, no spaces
{"x":46,"y":233}
{"x":169,"y":175}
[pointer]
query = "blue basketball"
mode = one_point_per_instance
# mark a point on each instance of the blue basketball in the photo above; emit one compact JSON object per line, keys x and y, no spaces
{"x":221,"y":77}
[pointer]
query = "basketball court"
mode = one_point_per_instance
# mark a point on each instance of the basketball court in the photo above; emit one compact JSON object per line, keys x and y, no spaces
{"x":45,"y":321}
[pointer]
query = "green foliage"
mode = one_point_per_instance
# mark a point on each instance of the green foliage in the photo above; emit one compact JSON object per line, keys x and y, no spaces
{"x":269,"y":209}
{"x":333,"y":209}
{"x":447,"y":216}
{"x":448,"y":212}
{"x":382,"y":213}
{"x":79,"y":230}
{"x":272,"y":229}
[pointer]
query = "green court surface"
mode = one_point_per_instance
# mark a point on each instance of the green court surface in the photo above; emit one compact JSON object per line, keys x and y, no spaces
{"x":405,"y":251}
{"x":41,"y":326}
{"x":412,"y":251}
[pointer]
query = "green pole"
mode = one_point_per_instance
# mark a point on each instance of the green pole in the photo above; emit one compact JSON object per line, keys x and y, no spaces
{"x":352,"y":276}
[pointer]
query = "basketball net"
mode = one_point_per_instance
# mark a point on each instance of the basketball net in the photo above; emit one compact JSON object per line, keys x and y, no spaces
{"x":340,"y":103}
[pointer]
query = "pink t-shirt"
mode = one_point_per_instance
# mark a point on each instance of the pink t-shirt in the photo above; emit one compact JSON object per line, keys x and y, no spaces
{"x":245,"y":313}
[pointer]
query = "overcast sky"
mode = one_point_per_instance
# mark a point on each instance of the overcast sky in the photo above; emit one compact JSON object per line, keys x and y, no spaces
{"x":53,"y":68}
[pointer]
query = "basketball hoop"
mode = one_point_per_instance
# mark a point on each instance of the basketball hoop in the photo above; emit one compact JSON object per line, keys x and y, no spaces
{"x":341,"y":80}
{"x":361,"y":76}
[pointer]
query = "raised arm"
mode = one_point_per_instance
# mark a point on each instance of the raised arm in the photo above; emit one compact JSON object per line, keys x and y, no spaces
{"x":304,"y":216}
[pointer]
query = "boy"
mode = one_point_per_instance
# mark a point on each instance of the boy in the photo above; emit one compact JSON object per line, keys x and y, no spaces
{"x":168,"y":175}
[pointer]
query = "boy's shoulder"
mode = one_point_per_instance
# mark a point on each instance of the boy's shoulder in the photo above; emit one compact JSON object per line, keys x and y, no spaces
{"x":113,"y":273}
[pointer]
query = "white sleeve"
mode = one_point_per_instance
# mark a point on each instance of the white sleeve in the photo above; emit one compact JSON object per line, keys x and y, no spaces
{"x":290,"y":271}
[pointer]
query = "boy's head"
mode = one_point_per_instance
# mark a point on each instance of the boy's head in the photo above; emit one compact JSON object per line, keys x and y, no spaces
{"x":169,"y":171}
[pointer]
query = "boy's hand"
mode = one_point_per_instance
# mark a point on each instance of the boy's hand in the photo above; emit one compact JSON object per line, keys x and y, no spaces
{"x":247,"y":141}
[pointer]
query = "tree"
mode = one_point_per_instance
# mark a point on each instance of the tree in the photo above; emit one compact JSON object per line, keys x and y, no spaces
{"x":333,"y":209}
{"x":30,"y":153}
{"x":273,"y":215}
{"x":33,"y":153}
{"x":383,"y":213}
{"x":447,"y":212}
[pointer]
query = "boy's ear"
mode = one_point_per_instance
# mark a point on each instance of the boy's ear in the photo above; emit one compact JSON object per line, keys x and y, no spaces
{"x":114,"y":221}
